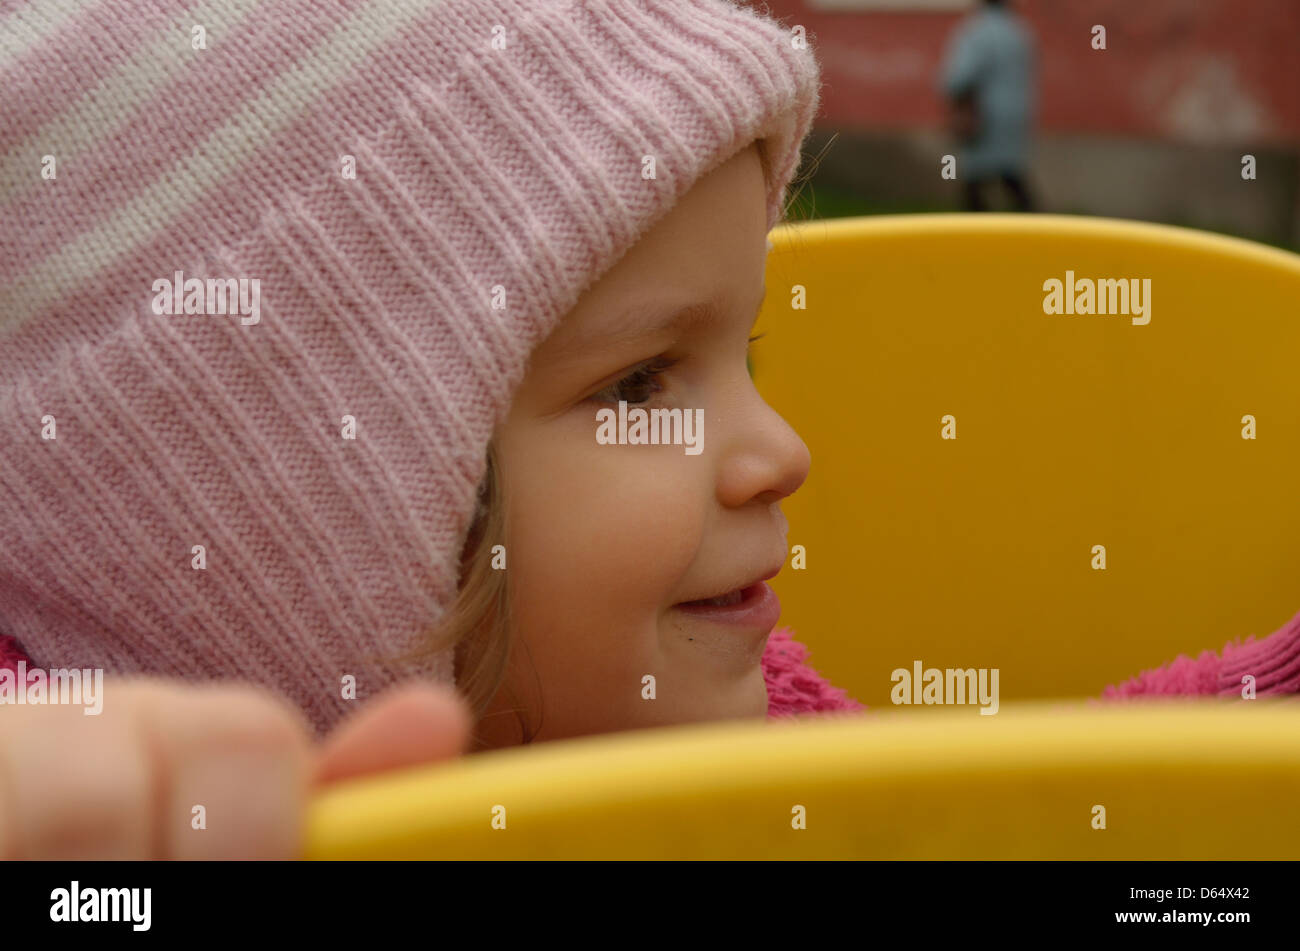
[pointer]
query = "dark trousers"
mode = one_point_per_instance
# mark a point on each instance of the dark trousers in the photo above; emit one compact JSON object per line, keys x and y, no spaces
{"x":1021,"y":198}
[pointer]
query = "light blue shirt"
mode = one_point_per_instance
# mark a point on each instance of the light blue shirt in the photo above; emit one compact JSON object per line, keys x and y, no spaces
{"x":992,"y":53}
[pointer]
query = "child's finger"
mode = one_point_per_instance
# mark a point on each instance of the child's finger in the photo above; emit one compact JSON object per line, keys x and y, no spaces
{"x":165,"y":771}
{"x":72,"y":786}
{"x":238,"y":761}
{"x":406,"y":726}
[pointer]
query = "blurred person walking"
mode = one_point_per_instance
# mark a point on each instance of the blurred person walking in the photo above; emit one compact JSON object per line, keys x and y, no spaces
{"x":988,"y":78}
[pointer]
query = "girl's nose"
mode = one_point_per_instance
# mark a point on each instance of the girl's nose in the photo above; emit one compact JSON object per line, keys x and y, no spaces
{"x":765,"y":459}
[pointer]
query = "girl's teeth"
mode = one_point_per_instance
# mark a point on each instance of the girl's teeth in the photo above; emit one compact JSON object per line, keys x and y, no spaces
{"x":725,"y":600}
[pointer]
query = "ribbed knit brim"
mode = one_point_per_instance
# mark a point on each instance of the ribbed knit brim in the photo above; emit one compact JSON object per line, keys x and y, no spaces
{"x":498,"y":173}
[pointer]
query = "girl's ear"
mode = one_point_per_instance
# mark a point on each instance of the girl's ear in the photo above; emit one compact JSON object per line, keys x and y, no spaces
{"x":467,"y":552}
{"x":478,"y":524}
{"x":472,"y":536}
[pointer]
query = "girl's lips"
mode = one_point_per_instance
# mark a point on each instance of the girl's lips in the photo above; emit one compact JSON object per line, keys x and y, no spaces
{"x":759,"y":607}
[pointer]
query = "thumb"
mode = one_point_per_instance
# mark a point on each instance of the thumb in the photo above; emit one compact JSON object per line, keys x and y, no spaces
{"x":405,"y":726}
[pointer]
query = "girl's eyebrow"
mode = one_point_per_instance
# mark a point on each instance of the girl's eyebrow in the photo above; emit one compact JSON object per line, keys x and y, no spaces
{"x":645,"y":323}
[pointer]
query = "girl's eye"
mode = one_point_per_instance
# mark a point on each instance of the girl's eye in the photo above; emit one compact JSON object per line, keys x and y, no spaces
{"x":632,"y":388}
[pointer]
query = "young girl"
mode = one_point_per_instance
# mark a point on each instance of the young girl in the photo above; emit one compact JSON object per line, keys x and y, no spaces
{"x":375,"y":474}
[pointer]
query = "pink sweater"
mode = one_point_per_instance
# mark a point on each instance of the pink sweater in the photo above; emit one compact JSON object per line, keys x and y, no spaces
{"x":795,"y":688}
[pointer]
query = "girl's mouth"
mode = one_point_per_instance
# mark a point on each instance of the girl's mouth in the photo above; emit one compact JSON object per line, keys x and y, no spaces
{"x":754,"y":607}
{"x":723,"y":601}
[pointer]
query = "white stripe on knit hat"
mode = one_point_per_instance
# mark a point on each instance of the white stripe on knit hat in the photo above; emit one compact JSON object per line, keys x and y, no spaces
{"x":118,"y":97}
{"x":33,"y":22}
{"x":209,"y":161}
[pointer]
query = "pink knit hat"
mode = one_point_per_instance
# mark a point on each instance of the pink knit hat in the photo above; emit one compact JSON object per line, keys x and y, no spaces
{"x":420,"y":190}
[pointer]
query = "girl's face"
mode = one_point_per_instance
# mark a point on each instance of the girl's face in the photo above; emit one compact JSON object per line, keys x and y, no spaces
{"x":603,"y":541}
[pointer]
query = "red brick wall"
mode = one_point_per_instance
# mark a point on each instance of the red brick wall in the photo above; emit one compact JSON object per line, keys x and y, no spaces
{"x":1214,"y":72}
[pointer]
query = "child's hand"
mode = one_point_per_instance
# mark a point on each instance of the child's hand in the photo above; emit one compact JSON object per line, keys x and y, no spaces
{"x":125,"y":784}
